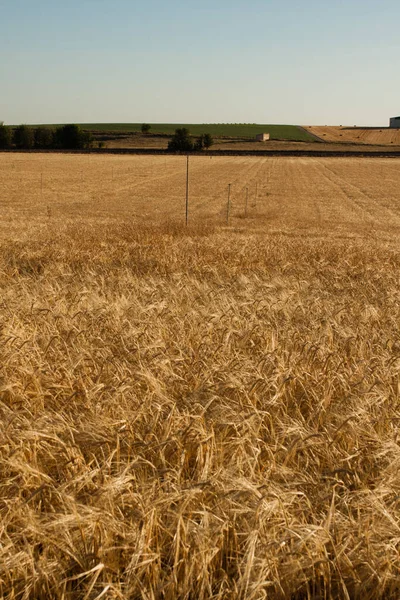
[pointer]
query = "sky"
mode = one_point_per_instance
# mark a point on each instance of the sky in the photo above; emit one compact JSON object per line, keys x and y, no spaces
{"x":309,"y":62}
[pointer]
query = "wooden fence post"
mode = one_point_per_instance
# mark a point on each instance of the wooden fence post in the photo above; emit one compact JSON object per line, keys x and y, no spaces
{"x":228,"y":206}
{"x":187,"y":189}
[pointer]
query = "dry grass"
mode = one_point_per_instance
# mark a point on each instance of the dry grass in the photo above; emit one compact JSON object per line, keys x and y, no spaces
{"x":334,"y":138}
{"x":382,"y":136}
{"x":161,"y":142}
{"x":199,"y":413}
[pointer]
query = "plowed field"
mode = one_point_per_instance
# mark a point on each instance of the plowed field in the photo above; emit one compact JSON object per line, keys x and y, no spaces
{"x":199,"y":412}
{"x":382,"y":136}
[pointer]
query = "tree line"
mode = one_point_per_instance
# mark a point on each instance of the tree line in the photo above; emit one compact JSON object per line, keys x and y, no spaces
{"x":24,"y":137}
{"x":71,"y":137}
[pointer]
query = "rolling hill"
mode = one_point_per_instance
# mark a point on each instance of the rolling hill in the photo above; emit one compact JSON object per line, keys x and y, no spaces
{"x":381,"y":136}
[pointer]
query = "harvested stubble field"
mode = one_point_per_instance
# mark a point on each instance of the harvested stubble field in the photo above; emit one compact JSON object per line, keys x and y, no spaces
{"x":201,"y":412}
{"x":161,"y":142}
{"x":381,"y":136}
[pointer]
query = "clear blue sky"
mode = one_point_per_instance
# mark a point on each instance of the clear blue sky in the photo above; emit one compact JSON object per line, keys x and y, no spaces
{"x":198,"y":61}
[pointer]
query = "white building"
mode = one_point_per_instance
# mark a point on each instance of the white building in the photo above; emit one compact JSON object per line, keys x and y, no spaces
{"x":262,"y":137}
{"x":395,"y":123}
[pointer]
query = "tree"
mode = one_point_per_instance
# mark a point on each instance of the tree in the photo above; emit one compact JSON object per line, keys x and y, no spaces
{"x":86,"y":139}
{"x":5,"y":137}
{"x":24,"y":137}
{"x":203,"y":142}
{"x":44,"y":137}
{"x":181,"y":141}
{"x":146,"y":128}
{"x":208,"y":140}
{"x":198,"y":145}
{"x":71,"y":137}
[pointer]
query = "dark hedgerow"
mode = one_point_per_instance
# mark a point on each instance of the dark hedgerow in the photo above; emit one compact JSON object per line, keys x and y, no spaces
{"x":71,"y":137}
{"x":44,"y":137}
{"x":5,"y":137}
{"x":24,"y":137}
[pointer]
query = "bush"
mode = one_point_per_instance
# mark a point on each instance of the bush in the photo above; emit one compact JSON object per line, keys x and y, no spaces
{"x":71,"y":137}
{"x":146,"y":128}
{"x":181,"y":141}
{"x":208,"y":140}
{"x":44,"y":137}
{"x":24,"y":137}
{"x":204,"y":142}
{"x":5,"y":137}
{"x":86,"y":139}
{"x":198,"y":145}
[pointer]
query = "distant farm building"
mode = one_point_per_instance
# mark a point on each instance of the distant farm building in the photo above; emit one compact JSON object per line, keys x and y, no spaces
{"x":395,"y":123}
{"x":262,"y":137}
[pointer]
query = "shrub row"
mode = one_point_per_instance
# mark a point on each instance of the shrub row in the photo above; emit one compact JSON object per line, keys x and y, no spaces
{"x":183,"y":142}
{"x":71,"y":137}
{"x":26,"y":138}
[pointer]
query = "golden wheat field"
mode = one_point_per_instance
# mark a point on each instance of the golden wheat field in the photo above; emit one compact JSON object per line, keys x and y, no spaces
{"x":201,"y":412}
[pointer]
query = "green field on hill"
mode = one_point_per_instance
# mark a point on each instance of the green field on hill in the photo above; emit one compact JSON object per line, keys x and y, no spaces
{"x":277,"y":132}
{"x":244,"y":130}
